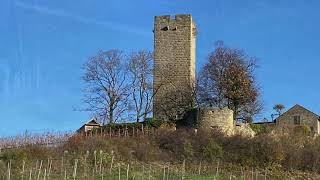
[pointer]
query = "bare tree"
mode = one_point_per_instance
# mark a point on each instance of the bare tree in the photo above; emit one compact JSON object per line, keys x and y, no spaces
{"x":140,"y":68}
{"x":106,"y":91}
{"x":228,"y":80}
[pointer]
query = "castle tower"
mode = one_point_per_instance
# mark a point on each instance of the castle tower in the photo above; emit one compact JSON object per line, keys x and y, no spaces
{"x":174,"y":63}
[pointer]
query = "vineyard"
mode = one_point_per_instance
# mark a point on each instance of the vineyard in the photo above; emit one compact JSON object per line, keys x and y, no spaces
{"x":137,"y":153}
{"x":102,"y":168}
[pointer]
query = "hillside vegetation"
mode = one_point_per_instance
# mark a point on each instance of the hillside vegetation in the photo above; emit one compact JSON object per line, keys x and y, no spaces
{"x":164,"y":153}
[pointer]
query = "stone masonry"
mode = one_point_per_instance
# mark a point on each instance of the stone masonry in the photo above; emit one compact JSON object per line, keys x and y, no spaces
{"x":206,"y":118}
{"x":174,"y":58}
{"x":215,"y":118}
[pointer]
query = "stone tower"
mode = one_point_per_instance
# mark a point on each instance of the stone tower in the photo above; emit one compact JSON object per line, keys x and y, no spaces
{"x":174,"y":63}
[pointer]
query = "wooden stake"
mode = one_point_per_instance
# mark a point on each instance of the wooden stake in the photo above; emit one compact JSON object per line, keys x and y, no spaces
{"x":100,"y":164}
{"x":45,"y":174}
{"x":164,"y":173}
{"x":22,"y":173}
{"x":37,"y":165}
{"x":65,"y":174}
{"x":256,"y":173}
{"x":149,"y":172}
{"x":95,"y":160}
{"x":252,"y":173}
{"x":111,"y":164}
{"x":119,"y":168}
{"x":74,"y":175}
{"x":9,"y":170}
{"x":128,"y":171}
{"x":62,"y":166}
{"x":39,"y":172}
{"x":49,"y":172}
{"x":168,"y":172}
{"x":217,"y":171}
{"x":242,"y":174}
{"x":30,"y":174}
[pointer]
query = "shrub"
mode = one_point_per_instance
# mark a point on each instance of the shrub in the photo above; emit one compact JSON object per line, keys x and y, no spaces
{"x":258,"y":128}
{"x":153,"y":122}
{"x":212,"y":151}
{"x":14,"y":154}
{"x":188,"y":151}
{"x":302,"y":130}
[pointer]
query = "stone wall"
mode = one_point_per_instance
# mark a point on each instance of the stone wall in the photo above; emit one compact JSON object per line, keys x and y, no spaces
{"x":244,"y":130}
{"x":174,"y":58}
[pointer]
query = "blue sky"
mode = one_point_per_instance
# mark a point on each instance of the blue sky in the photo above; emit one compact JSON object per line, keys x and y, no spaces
{"x":43,"y":45}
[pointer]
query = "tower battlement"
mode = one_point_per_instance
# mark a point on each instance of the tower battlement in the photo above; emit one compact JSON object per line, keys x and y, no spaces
{"x":167,"y":23}
{"x":177,"y":18}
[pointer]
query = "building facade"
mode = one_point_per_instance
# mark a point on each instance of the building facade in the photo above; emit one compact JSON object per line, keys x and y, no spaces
{"x":174,"y":63}
{"x":299,"y":116}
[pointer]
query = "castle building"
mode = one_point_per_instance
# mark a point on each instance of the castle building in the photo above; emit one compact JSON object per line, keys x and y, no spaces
{"x":174,"y":65}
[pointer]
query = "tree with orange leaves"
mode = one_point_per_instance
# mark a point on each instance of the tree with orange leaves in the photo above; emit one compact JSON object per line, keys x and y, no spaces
{"x":228,"y":80}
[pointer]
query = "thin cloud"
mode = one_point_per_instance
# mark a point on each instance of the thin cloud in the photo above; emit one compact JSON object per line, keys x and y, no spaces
{"x":82,"y":19}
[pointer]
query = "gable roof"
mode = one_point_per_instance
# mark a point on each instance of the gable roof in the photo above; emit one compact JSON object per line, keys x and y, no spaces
{"x":297,"y":106}
{"x":93,"y":121}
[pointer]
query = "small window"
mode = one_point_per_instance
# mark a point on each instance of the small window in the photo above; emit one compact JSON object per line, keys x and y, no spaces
{"x":166,"y":28}
{"x":296,"y":120}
